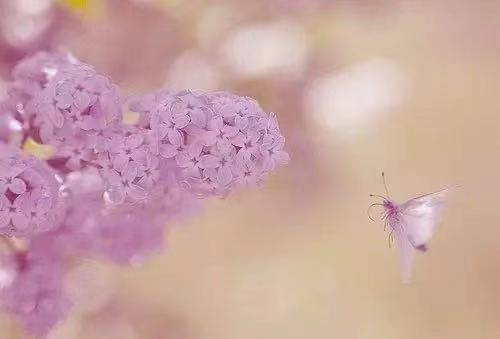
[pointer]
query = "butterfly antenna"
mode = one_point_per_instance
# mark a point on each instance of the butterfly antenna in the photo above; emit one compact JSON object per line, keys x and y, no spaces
{"x":385,"y":184}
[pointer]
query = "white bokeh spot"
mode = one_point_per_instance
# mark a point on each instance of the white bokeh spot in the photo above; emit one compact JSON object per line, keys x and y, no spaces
{"x":352,"y":98}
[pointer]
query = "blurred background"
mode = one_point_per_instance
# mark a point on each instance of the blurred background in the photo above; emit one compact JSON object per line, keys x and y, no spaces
{"x":407,"y":87}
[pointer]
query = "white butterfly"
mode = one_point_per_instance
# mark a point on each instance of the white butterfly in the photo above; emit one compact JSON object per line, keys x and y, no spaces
{"x":412,"y":223}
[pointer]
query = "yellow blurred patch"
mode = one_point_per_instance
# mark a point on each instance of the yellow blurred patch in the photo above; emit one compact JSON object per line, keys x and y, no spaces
{"x":86,"y":8}
{"x":130,"y":118}
{"x":40,"y":151}
{"x":76,"y":4}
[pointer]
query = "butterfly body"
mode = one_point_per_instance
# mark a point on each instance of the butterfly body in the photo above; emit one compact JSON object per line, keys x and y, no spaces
{"x":394,"y":217}
{"x":391,"y":209}
{"x":412,"y":224}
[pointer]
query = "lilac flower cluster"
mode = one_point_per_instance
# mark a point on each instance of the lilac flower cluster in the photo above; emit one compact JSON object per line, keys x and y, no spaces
{"x":29,"y":201}
{"x":106,"y":188}
{"x":35,"y":294}
{"x":218,"y":140}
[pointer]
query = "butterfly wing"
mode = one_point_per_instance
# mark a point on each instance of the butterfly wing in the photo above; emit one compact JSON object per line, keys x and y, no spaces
{"x":406,"y":250}
{"x":419,"y":217}
{"x":414,"y":225}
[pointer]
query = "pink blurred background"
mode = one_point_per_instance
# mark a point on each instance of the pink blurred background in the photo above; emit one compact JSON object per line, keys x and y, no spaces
{"x":359,"y":87}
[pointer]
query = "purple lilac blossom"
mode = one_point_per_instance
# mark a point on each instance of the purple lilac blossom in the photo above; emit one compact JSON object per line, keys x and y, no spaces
{"x":29,"y":200}
{"x":35,"y":296}
{"x":74,"y":106}
{"x":127,"y":166}
{"x":108,"y":189}
{"x":119,"y":237}
{"x":64,"y":103}
{"x":31,"y":74}
{"x":29,"y":77}
{"x":217,"y":139}
{"x":123,"y":234}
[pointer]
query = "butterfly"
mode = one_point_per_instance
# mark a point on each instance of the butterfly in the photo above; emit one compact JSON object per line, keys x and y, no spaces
{"x":411,"y":224}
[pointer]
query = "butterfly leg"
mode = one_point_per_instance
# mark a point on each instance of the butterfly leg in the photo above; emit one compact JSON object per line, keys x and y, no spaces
{"x":369,"y":209}
{"x":390,"y":238}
